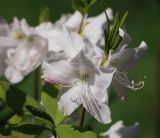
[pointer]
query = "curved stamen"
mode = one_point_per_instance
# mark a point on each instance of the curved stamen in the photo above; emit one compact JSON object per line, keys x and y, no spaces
{"x":121,"y":77}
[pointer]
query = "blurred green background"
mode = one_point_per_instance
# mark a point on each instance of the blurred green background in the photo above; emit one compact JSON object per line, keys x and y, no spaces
{"x":143,"y":23}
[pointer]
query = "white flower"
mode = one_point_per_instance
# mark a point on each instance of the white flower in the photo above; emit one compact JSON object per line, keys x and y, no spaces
{"x":123,"y":59}
{"x":21,"y":51}
{"x":51,"y":32}
{"x":118,"y":130}
{"x":91,"y":29}
{"x":28,"y":55}
{"x":85,"y":83}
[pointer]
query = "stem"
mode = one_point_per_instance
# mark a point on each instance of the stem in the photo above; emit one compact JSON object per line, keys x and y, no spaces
{"x":37,"y":83}
{"x":82,"y":117}
{"x":81,"y":25}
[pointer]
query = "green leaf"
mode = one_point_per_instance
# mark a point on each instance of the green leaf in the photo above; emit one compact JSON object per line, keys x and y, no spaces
{"x":15,"y":98}
{"x":45,"y":134}
{"x":40,"y":113}
{"x":16,"y":134}
{"x":29,"y":129}
{"x":68,"y":131}
{"x":123,"y":19}
{"x":44,"y":15}
{"x":49,"y":101}
{"x":112,"y":38}
{"x":5,"y":114}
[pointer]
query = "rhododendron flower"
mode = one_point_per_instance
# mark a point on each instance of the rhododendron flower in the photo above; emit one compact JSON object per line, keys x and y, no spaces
{"x":123,"y":59}
{"x":28,"y":55}
{"x":118,"y":130}
{"x":85,"y":83}
{"x":21,"y":51}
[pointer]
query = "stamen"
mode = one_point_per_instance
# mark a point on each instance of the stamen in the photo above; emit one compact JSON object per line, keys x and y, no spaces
{"x":121,"y":77}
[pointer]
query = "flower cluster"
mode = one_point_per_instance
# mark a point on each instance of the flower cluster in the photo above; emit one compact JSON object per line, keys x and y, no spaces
{"x":72,"y":54}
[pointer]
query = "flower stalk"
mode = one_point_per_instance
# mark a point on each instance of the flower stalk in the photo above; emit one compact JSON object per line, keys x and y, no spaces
{"x":82,"y":116}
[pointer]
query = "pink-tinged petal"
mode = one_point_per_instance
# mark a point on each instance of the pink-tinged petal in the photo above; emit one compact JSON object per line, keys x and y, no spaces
{"x":69,"y":99}
{"x":126,"y":58}
{"x":59,"y":71}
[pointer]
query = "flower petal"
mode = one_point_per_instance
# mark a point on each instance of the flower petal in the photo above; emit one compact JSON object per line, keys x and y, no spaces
{"x":69,"y":99}
{"x":126,"y":58}
{"x":8,"y":42}
{"x":93,"y":28}
{"x":125,"y":39}
{"x":82,"y":64}
{"x":74,"y":22}
{"x":3,"y":56}
{"x":100,"y":83}
{"x":28,"y":55}
{"x":4,"y":28}
{"x":59,"y":71}
{"x":71,"y":43}
{"x":98,"y":110}
{"x":118,"y":130}
{"x":13,"y":75}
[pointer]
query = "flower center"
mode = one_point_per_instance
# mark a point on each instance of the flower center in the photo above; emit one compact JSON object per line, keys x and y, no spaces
{"x":83,"y":76}
{"x":20,"y":35}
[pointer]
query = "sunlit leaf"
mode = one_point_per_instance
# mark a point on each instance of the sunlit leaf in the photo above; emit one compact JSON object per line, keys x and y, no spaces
{"x":49,"y":101}
{"x":68,"y":131}
{"x":45,"y":134}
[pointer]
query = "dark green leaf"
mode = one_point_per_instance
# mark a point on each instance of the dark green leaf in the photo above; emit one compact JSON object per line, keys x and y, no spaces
{"x":40,"y":113}
{"x":30,"y":129}
{"x":15,"y":98}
